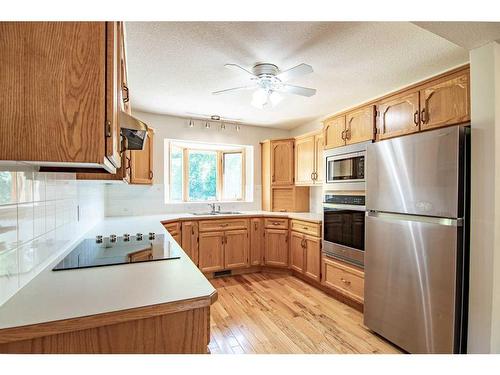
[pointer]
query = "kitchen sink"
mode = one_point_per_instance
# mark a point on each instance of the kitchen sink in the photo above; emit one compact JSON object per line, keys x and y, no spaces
{"x":216,"y":213}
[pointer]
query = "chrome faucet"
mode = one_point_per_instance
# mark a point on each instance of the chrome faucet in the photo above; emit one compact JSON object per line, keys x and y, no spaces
{"x":212,"y":206}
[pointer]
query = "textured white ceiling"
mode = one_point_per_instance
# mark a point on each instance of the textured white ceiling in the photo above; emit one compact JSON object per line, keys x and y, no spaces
{"x":468,"y":35}
{"x":174,"y":66}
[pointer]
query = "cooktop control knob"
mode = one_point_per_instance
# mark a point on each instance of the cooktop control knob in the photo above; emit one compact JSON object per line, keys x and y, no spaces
{"x":112,"y":238}
{"x":138,"y":236}
{"x":98,"y":239}
{"x":126,"y":237}
{"x":152,"y":235}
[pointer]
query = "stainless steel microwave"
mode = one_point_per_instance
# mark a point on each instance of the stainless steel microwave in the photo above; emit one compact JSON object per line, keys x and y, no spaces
{"x":345,"y":167}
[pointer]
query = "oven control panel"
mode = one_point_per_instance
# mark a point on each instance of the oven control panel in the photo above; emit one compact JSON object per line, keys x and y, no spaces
{"x":355,"y":200}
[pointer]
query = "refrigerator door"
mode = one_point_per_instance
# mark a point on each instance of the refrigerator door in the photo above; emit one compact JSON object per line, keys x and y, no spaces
{"x":410,"y":281}
{"x":417,"y":174}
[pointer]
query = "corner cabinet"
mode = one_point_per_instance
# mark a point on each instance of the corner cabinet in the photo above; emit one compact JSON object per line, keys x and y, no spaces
{"x":309,"y":159}
{"x":50,"y":114}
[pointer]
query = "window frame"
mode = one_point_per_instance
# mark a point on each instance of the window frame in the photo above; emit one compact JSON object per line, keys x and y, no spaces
{"x":219,"y":177}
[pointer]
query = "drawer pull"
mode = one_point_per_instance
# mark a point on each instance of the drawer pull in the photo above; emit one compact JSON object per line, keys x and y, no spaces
{"x":346,"y":282}
{"x":306,"y":228}
{"x":276,"y":223}
{"x":224,"y":225}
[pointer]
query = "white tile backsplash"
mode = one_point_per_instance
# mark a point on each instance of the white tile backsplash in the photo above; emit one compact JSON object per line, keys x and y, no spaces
{"x":38,"y":217}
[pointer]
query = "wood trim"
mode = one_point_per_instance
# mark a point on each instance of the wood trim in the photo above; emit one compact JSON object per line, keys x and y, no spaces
{"x":99,"y":320}
{"x":413,"y":86}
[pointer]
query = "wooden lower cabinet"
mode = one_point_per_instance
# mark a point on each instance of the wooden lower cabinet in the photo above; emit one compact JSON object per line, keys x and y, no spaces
{"x":276,"y":247}
{"x":256,"y":241}
{"x":236,"y":249}
{"x":190,"y":239}
{"x":297,"y":252}
{"x":211,"y":251}
{"x":343,"y":278}
{"x":305,"y":255}
{"x":174,"y":228}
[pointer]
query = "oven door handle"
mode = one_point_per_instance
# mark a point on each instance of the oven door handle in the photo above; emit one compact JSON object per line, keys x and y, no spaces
{"x":351,"y":207}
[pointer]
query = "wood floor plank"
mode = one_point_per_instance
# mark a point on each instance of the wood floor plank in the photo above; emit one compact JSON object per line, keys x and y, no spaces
{"x":277,"y":313}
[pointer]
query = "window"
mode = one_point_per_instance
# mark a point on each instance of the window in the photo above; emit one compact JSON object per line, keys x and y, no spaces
{"x":201,"y":172}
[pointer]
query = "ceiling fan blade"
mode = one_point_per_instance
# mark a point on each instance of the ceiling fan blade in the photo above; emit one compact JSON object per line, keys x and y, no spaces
{"x":231,"y":66}
{"x":234,"y":89}
{"x":298,"y":90}
{"x":296,"y":71}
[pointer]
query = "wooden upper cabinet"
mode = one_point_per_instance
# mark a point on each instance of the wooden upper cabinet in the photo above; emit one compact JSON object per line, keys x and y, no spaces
{"x":398,"y":115}
{"x":256,"y":241}
{"x":319,"y":147}
{"x":304,"y":160}
{"x":211,"y":251}
{"x":190,"y":239}
{"x":276,"y":247}
{"x":236,"y":249}
{"x":58,"y":100}
{"x":445,"y":101}
{"x":360,"y":125}
{"x":282,"y":171}
{"x":142,"y":162}
{"x":334,"y":130}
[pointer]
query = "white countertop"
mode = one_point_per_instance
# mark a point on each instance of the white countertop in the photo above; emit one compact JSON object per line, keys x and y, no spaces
{"x":52,"y":296}
{"x":307,"y":216}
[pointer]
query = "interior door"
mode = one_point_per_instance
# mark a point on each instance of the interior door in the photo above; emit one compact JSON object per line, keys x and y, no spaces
{"x":276,"y":247}
{"x":410,"y":279}
{"x":304,"y":160}
{"x":282,"y":171}
{"x":360,"y":125}
{"x":211,"y":251}
{"x":398,"y":115}
{"x":297,"y":251}
{"x":236,"y":249}
{"x":334,"y":130}
{"x":446,"y":101}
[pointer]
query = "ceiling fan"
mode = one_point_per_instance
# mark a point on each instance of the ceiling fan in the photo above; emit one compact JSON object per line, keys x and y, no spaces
{"x":268,"y":81}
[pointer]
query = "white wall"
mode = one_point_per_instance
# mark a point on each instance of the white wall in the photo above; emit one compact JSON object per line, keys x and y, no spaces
{"x":38,"y":217}
{"x":142,"y":200}
{"x":484,"y":303}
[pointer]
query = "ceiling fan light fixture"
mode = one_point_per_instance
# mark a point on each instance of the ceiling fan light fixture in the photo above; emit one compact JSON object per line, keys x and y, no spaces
{"x":275,"y":98}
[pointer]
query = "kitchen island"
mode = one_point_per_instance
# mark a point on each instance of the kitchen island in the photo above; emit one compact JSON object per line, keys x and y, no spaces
{"x":150,"y":307}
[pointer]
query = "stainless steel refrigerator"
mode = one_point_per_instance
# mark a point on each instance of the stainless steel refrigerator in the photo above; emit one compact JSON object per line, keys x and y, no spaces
{"x":416,"y":240}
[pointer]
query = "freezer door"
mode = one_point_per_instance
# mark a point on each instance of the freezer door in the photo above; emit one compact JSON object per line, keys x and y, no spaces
{"x":417,"y":174}
{"x":410,"y":282}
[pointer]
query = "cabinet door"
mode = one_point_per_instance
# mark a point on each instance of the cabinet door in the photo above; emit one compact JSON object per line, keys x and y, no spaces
{"x":142,"y":162}
{"x":445,"y":101}
{"x":319,"y":167}
{"x":398,"y":115}
{"x":123,"y":87}
{"x":312,"y":266}
{"x":236,"y":249}
{"x":276,"y":247}
{"x":304,"y":160}
{"x":211,"y":251}
{"x":190,"y":239}
{"x":297,"y":242}
{"x":113,"y":57}
{"x":333,"y":130}
{"x":360,"y":125}
{"x":256,"y":241}
{"x":282,"y":172}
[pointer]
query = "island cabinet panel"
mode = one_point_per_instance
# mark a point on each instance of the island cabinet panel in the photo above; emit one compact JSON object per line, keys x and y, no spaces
{"x":211,"y":251}
{"x":276,"y":247}
{"x":236,"y":249}
{"x":445,"y":101}
{"x":174,"y":228}
{"x":282,"y":170}
{"x":59,"y":97}
{"x":190,"y":240}
{"x":176,"y":333}
{"x":398,"y":115}
{"x":256,"y":241}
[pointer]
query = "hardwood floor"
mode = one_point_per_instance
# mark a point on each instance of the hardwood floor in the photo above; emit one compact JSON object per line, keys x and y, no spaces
{"x":276,"y":313}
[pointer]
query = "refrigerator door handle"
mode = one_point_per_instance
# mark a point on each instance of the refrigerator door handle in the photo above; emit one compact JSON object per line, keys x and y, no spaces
{"x":417,"y":218}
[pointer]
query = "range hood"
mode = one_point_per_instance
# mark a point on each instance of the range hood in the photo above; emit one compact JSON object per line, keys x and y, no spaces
{"x":134,"y":130}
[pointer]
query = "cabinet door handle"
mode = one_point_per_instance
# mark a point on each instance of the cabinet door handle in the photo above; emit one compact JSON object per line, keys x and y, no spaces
{"x":415,"y":117}
{"x":343,"y":135}
{"x":346,"y":282}
{"x":150,"y":175}
{"x":276,"y":223}
{"x":224,"y":224}
{"x":423,"y":116}
{"x":255,"y":226}
{"x":126,"y":98}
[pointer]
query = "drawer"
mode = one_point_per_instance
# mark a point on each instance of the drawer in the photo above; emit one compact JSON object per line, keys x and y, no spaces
{"x":343,"y":278}
{"x":276,"y":223}
{"x":173,"y":228}
{"x":222,"y":224}
{"x":306,"y":227}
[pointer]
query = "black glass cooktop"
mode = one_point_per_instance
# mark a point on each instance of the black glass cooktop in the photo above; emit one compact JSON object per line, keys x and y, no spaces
{"x":108,"y":251}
